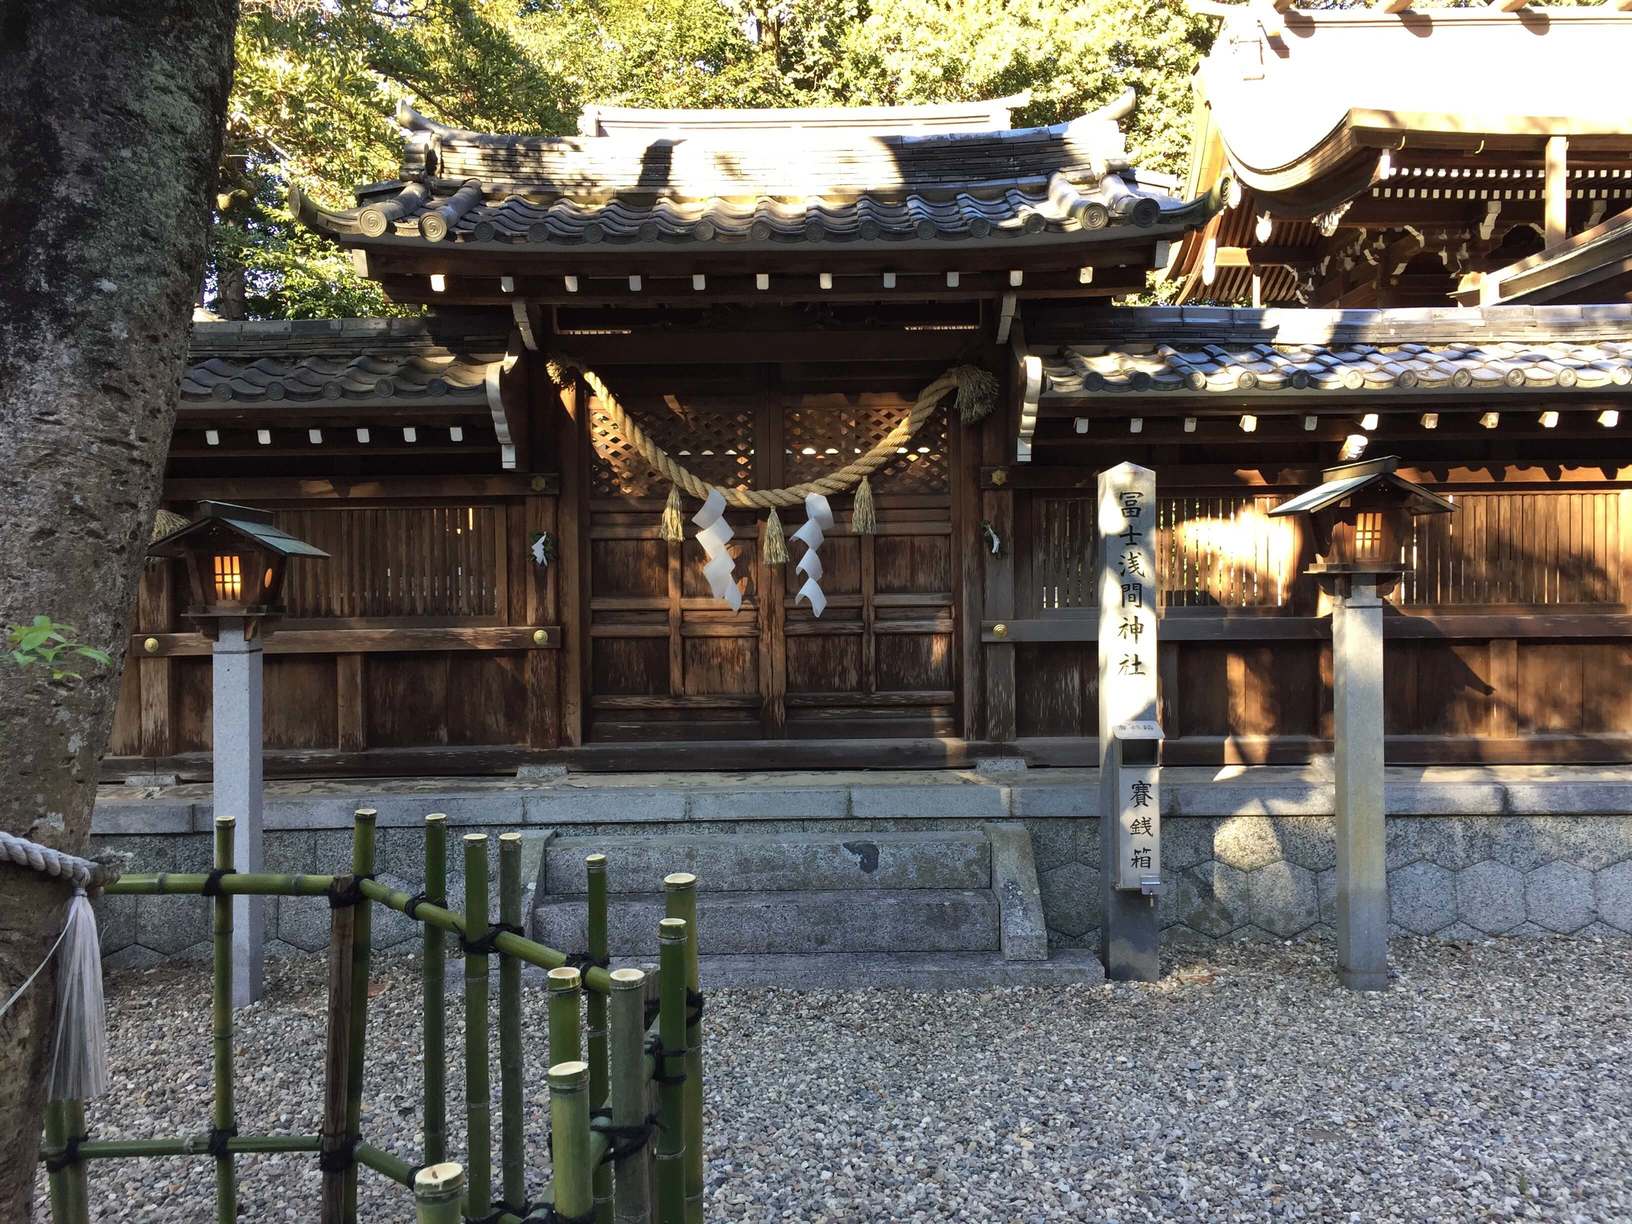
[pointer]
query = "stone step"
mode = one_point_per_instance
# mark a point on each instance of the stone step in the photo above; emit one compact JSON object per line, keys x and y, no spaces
{"x":833,"y":920}
{"x":890,"y":970}
{"x":777,"y":862}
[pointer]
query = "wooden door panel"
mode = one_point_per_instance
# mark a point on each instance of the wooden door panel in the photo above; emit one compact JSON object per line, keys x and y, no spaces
{"x":912,"y":564}
{"x":714,"y":665}
{"x":909,"y":662}
{"x":829,"y":663}
{"x":635,"y":666}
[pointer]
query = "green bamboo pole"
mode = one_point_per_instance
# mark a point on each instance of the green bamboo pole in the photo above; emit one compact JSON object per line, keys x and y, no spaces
{"x":632,"y":1175}
{"x":565,"y":1042}
{"x":436,"y":1193}
{"x":519,"y":946}
{"x":434,"y":982}
{"x":223,"y":1115}
{"x":513,"y":1160}
{"x":79,"y":1195}
{"x":680,"y":891}
{"x":478,"y":1099}
{"x":653,"y":1068}
{"x":56,"y":1139}
{"x":192,"y":883}
{"x":671,"y":1020}
{"x":362,"y":864}
{"x":196,"y":1145}
{"x":570,"y":1142}
{"x":595,"y":1012}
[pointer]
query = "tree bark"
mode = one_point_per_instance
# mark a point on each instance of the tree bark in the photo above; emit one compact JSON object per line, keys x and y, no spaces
{"x":112,"y":134}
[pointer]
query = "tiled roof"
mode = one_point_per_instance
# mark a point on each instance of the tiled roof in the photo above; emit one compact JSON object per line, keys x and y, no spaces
{"x":1235,"y":351}
{"x":1071,"y":180}
{"x":349,"y":360}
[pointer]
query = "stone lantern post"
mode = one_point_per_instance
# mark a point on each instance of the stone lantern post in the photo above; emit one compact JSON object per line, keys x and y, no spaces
{"x":236,"y":562}
{"x":1361,"y":517}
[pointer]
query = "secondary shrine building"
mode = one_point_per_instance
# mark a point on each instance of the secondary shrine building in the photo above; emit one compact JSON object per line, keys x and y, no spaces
{"x":765,"y":294}
{"x":1402,"y":234}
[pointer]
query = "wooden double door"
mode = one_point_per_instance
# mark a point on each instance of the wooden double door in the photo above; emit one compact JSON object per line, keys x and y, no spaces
{"x":667,"y":661}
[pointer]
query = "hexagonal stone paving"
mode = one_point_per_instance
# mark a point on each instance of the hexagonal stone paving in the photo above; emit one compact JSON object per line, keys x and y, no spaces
{"x":1284,"y":899}
{"x":1071,"y":901}
{"x":1558,"y":897}
{"x":1490,"y":897}
{"x":1211,"y":899}
{"x":1421,"y":898}
{"x":1612,"y":888}
{"x":1246,"y":842}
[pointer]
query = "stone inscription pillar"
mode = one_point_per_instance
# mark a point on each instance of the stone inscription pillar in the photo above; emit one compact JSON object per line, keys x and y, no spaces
{"x":1127,"y":694}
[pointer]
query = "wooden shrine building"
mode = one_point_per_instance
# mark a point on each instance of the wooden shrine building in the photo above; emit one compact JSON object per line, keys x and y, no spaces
{"x":765,"y":295}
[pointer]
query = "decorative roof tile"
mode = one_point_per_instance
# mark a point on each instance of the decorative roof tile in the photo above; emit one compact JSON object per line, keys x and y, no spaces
{"x":347,"y":360}
{"x":1068,"y":181}
{"x":1238,"y":351}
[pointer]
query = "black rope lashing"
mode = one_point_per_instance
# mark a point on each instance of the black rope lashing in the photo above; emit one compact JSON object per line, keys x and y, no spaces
{"x":411,"y":906}
{"x":652,"y":1008}
{"x":626,"y":1141}
{"x":68,"y":1157}
{"x":338,"y":1160}
{"x":654,"y":1047}
{"x":694,"y":1007}
{"x":547,"y":1214}
{"x":219,"y":1135}
{"x":350,"y":894}
{"x":583,"y":961}
{"x":212,"y":882}
{"x":487,"y":944}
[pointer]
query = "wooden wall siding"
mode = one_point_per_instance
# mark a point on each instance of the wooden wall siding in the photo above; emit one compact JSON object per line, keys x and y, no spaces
{"x":668,"y":662}
{"x":1211,"y":551}
{"x":1535,"y":549}
{"x":445,"y":562}
{"x":1509,"y":548}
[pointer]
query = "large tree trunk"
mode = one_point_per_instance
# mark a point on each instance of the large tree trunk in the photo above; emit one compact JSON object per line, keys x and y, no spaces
{"x":113,"y":116}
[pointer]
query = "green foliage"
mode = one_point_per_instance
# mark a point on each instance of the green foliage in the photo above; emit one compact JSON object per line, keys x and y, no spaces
{"x":49,"y":643}
{"x":317,"y":82}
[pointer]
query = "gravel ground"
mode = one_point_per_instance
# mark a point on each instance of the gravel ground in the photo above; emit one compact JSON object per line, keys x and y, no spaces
{"x":1491,"y":1083}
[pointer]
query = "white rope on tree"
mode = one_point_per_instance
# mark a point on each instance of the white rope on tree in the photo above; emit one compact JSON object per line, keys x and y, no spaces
{"x":79,"y":1046}
{"x":46,"y":861}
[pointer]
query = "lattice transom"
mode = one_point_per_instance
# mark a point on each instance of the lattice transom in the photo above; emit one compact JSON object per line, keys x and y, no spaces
{"x":715,"y":443}
{"x":820,"y":440}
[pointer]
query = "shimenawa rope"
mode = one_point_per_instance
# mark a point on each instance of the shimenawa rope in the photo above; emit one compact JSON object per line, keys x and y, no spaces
{"x":976,"y":396}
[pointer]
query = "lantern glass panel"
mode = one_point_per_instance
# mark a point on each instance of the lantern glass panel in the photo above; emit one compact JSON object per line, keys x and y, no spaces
{"x":1368,"y":535}
{"x":228,"y":578}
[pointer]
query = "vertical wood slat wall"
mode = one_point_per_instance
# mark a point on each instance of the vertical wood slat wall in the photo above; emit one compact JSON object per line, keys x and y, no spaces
{"x":1515,"y":553}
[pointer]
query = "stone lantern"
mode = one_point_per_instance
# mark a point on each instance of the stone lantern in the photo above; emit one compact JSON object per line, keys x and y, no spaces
{"x":236,"y":562}
{"x":1361,"y":515}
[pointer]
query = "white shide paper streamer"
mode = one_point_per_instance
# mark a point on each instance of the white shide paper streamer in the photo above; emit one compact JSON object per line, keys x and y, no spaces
{"x":714,"y":533}
{"x":818,"y":518}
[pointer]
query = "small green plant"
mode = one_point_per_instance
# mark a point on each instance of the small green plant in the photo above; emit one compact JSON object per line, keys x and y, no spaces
{"x":49,"y":643}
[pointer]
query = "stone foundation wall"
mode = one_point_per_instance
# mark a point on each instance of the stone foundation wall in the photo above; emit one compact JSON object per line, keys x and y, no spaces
{"x":1232,"y":877}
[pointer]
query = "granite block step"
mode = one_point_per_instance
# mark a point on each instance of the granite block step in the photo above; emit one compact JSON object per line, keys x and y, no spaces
{"x":776,"y":862}
{"x":829,"y":920}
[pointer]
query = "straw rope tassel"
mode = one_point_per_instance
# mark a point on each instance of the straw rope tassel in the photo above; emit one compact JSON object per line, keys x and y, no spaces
{"x":863,"y":515}
{"x":775,"y":549}
{"x":674,"y":526}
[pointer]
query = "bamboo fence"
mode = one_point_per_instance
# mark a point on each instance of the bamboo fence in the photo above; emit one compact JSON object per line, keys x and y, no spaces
{"x":625,"y":1088}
